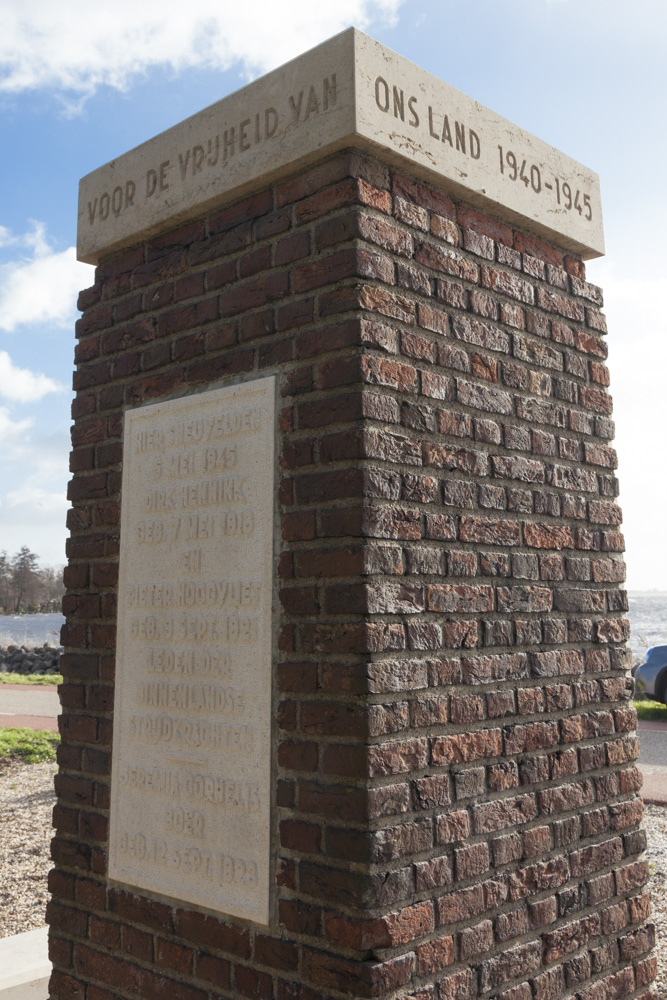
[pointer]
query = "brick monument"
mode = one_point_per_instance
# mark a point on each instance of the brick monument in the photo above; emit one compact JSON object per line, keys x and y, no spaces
{"x":346,"y":710}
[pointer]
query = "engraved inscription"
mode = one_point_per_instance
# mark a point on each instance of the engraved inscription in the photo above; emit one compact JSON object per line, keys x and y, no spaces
{"x":458,"y":135}
{"x":214,"y":153}
{"x":349,"y":92}
{"x":518,"y":168}
{"x":190,"y":791}
{"x":460,"y":138}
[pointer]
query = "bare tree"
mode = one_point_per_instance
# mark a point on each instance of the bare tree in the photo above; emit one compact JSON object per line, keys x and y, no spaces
{"x":25,"y":578}
{"x":5,"y":582}
{"x":26,"y":586}
{"x":52,"y":586}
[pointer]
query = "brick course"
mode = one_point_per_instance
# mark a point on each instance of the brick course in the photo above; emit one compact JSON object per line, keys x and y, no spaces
{"x":456,"y":808}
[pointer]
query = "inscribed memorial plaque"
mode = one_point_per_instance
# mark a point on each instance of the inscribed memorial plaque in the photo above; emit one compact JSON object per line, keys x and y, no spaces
{"x":190,"y":786}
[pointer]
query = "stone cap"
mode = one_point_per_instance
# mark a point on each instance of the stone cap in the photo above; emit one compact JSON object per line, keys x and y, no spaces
{"x":349,"y":92}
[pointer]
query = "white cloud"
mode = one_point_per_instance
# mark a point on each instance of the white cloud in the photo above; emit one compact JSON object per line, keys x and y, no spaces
{"x":31,"y":455}
{"x":637,"y":361}
{"x":77,"y":46}
{"x":35,"y":517}
{"x":12,"y":432}
{"x":6,"y":237}
{"x":36,"y":497}
{"x":21,"y":385}
{"x":41,"y":285}
{"x":33,"y":487}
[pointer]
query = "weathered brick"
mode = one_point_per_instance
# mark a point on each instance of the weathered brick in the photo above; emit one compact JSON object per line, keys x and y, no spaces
{"x":507,"y":283}
{"x":449,"y":597}
{"x":491,"y":532}
{"x":501,"y":813}
{"x":440,"y":456}
{"x":514,"y":963}
{"x":405,"y":331}
{"x":483,"y":398}
{"x":458,"y":986}
{"x":467,"y":747}
{"x":524,"y":599}
{"x":570,"y":938}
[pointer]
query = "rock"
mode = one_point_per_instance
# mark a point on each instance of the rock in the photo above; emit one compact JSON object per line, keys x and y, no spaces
{"x":24,"y":660}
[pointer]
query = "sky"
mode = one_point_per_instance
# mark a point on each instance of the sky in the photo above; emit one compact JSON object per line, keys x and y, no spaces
{"x":81,"y":83}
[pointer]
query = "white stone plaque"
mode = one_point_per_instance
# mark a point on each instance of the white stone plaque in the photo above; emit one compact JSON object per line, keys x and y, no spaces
{"x":348,"y":92}
{"x":191,"y":773}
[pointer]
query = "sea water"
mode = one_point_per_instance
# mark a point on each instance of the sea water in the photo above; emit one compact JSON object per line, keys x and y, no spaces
{"x":30,"y":630}
{"x":648,"y":622}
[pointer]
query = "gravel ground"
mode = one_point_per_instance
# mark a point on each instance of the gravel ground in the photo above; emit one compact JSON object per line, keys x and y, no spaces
{"x":26,"y":803}
{"x":655,"y":819}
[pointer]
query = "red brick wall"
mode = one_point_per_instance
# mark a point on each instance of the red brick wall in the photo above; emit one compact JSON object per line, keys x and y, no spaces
{"x":456,"y":810}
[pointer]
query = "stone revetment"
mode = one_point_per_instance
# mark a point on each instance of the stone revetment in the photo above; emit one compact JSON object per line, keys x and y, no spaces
{"x":346,"y":710}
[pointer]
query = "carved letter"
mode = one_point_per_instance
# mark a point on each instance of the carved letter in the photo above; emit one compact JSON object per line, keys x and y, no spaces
{"x":384,"y":104}
{"x":197,"y":158}
{"x":414,"y":121}
{"x":329,"y":91}
{"x":399,"y":104}
{"x":163,"y":175}
{"x":460,"y":136}
{"x":430,"y":123}
{"x":257,"y":132}
{"x":313,"y":104}
{"x":117,"y":200}
{"x":243,"y":138}
{"x":91,"y":211}
{"x":211,"y":162}
{"x":475,"y":145}
{"x":130,"y":189}
{"x":446,"y":132}
{"x":228,"y":143}
{"x":270,"y":122}
{"x":151,"y":183}
{"x":296,"y":107}
{"x":183,"y":164}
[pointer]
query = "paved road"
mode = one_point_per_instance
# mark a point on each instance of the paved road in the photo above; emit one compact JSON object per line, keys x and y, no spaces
{"x":21,"y":699}
{"x":30,"y":707}
{"x":653,"y":746}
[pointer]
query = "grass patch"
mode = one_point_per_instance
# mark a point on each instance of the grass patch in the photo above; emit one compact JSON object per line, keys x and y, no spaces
{"x":33,"y":745}
{"x":651,"y":710}
{"x":45,"y":679}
